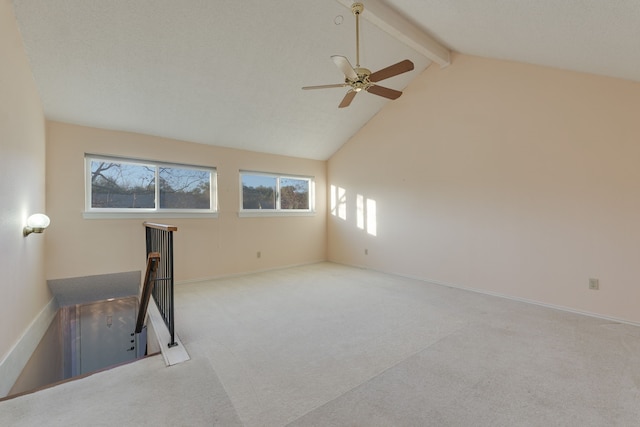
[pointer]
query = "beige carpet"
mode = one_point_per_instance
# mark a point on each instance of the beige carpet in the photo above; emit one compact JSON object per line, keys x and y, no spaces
{"x":328,"y":345}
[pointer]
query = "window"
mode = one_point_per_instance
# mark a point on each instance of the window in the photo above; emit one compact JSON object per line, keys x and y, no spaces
{"x":269,"y":193}
{"x":116,"y":185}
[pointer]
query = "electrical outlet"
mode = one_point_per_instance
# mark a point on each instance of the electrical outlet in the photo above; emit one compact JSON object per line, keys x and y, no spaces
{"x":594,"y":284}
{"x":259,"y":254}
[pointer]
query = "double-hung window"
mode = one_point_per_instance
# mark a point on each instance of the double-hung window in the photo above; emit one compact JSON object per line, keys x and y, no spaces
{"x":264,"y":193}
{"x":129,"y":186}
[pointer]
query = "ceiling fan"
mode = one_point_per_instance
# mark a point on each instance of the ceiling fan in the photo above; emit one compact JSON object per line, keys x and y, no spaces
{"x":359,"y":78}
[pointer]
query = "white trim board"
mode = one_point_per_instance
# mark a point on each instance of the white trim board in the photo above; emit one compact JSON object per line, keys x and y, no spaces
{"x":155,"y":325}
{"x":388,"y":20}
{"x":505,"y":296}
{"x":245,"y":273}
{"x":16,"y":359}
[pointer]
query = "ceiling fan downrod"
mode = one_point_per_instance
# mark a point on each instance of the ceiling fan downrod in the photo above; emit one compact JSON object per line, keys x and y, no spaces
{"x":357,"y":9}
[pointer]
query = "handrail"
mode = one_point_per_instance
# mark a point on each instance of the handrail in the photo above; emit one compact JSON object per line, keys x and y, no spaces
{"x":149,"y":279}
{"x":164,"y":227}
{"x":159,"y":238}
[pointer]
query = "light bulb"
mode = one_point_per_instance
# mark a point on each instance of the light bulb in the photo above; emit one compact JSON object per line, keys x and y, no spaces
{"x":36,"y":223}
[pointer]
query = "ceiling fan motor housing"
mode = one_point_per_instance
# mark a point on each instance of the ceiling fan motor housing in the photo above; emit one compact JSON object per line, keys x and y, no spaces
{"x":363,"y":79}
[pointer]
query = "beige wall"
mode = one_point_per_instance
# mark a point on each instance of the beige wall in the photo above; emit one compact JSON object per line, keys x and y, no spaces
{"x":23,"y":290}
{"x":503,"y":177}
{"x":203,"y":247}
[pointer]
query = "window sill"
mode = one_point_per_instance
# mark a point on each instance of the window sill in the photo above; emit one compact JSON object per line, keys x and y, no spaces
{"x":148,"y":215}
{"x":259,"y":214}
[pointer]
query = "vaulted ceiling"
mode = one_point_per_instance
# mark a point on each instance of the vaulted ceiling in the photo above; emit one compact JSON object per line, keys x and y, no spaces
{"x":230,"y":73}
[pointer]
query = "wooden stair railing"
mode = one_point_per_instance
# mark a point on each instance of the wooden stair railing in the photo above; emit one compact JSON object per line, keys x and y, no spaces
{"x":153,"y":259}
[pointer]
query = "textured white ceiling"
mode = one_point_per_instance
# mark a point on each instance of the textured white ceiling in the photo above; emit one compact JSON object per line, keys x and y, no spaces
{"x":229,"y":73}
{"x":592,"y":36}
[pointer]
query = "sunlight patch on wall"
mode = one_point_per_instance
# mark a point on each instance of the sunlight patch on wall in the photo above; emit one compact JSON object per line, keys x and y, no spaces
{"x":338,"y":202}
{"x":372,"y":225}
{"x":333,"y":200}
{"x":342,"y":203}
{"x":360,"y":211}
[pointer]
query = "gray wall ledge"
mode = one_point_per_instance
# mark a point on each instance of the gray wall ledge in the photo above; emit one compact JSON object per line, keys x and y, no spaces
{"x":81,"y":290}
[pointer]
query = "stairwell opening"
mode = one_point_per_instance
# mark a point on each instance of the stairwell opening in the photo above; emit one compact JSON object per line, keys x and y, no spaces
{"x":83,"y":339}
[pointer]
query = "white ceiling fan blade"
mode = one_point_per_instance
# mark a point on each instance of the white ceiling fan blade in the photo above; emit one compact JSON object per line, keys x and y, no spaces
{"x":343,"y":64}
{"x":325,"y":86}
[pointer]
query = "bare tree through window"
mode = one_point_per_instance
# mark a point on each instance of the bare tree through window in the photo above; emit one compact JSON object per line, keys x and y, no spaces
{"x":131,"y":185}
{"x":182,"y":188}
{"x":122,"y":185}
{"x":273,"y":192}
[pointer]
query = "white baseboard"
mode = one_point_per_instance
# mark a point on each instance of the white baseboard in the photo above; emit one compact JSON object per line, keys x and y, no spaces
{"x":499,"y":295}
{"x":246,"y":273}
{"x":15,"y":361}
{"x":542,"y":304}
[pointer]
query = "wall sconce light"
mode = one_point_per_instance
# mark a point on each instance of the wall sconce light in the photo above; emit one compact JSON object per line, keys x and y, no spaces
{"x":36,"y":223}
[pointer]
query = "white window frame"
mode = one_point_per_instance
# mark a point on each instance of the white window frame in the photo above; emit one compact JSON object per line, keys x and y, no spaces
{"x":278,"y":211}
{"x":156,"y":212}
